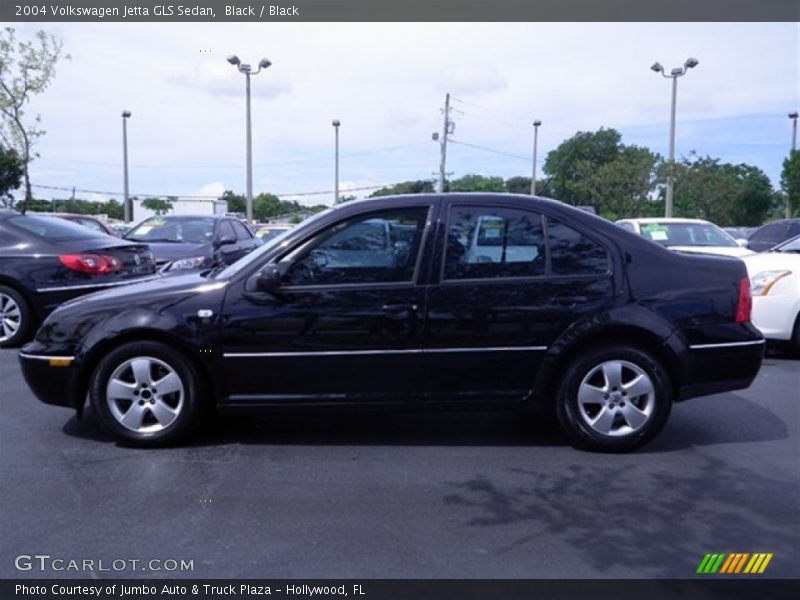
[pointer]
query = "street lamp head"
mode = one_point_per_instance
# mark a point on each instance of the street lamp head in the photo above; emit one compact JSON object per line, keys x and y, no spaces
{"x":233,"y":59}
{"x":435,"y":136}
{"x":691,"y":63}
{"x":264,"y":63}
{"x":793,"y":115}
{"x":335,"y":122}
{"x":536,"y":123}
{"x":126,"y":114}
{"x":677,"y":72}
{"x":657,"y":67}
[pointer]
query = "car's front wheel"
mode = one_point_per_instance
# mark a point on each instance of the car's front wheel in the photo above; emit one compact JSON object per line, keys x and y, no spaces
{"x":614,"y":398}
{"x":146,"y":394}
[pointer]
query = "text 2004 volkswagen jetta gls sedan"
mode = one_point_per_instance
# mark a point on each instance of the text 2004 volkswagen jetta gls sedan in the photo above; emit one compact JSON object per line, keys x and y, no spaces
{"x":458,"y":300}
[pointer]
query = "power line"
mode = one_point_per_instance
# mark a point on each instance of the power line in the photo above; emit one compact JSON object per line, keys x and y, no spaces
{"x":281,"y":195}
{"x":492,"y":150}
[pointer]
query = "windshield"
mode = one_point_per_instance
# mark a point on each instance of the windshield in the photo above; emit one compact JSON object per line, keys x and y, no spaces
{"x":268,"y":245}
{"x":191,"y":230}
{"x":792,"y":245}
{"x":686,"y":234}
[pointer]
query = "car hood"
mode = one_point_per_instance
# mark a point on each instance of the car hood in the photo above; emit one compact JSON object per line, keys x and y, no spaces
{"x":151,"y":289}
{"x":772,"y":261}
{"x":736,"y":251}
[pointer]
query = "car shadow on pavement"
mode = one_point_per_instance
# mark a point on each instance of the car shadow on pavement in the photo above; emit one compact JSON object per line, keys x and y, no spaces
{"x":650,"y":518}
{"x":347,"y":428}
{"x":720,"y":419}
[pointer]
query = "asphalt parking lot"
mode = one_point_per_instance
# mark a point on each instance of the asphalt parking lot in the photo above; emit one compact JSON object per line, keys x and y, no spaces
{"x":407,"y":495}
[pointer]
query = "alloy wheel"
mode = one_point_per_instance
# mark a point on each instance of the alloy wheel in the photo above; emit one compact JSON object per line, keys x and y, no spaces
{"x":145,"y":394}
{"x":10,"y":317}
{"x":616,"y":398}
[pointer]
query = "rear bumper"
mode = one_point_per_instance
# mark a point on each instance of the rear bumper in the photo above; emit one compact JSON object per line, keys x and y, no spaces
{"x":51,"y":378}
{"x":724,"y":367}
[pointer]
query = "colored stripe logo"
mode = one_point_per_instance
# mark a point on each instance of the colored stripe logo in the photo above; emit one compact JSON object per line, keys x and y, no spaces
{"x":736,"y":562}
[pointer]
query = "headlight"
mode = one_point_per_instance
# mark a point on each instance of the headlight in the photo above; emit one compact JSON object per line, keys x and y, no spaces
{"x":761,"y":283}
{"x":187,"y":263}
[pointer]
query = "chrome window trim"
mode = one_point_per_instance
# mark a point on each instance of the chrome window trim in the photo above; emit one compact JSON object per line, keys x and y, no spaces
{"x":726,"y":345}
{"x":377,"y":352}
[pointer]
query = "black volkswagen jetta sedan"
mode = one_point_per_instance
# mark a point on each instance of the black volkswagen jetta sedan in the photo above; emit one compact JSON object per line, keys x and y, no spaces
{"x":447,"y":301}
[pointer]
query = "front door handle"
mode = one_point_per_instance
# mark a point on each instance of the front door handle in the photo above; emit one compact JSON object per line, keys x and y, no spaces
{"x":568,"y":301}
{"x":399,"y":311}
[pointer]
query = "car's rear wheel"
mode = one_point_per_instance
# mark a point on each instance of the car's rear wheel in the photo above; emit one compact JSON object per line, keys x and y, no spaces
{"x":15,"y":318}
{"x":614,"y":398}
{"x":146,"y":394}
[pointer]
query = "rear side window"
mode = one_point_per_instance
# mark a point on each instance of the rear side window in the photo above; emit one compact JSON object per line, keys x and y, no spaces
{"x":488,"y":242}
{"x":49,"y":227}
{"x":572,"y":253}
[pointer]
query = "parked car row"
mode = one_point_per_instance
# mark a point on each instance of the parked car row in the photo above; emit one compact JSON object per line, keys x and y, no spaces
{"x":453,"y":301}
{"x":47,"y":259}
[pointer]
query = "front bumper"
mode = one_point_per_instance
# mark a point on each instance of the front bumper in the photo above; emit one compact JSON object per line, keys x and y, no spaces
{"x":724,"y":367}
{"x":52,"y":379}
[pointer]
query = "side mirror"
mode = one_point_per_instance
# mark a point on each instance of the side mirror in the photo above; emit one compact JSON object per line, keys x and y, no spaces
{"x":268,"y":279}
{"x":743,"y":242}
{"x":225,"y":240}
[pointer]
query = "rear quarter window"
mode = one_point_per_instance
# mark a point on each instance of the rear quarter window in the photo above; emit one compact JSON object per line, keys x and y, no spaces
{"x":573,"y":253}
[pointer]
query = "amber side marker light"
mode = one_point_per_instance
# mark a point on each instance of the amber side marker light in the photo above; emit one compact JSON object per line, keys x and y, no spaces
{"x":60,"y":362}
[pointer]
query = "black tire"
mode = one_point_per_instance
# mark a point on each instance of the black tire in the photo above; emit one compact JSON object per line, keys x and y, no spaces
{"x":187,"y":404}
{"x":619,"y":407}
{"x":15,"y":308}
{"x":796,"y":337}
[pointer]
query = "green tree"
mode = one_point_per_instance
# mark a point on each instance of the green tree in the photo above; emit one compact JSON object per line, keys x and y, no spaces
{"x":10,"y":174}
{"x":27,"y":68}
{"x":266,"y":206}
{"x":790,"y":181}
{"x":476,"y":183}
{"x":236,"y":202}
{"x":726,"y":194}
{"x":160,"y":206}
{"x":622,"y":187}
{"x":420,"y":186}
{"x":348,"y":198}
{"x":575,"y":160}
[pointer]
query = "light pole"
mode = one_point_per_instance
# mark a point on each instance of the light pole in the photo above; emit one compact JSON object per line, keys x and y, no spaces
{"x":674,"y":74}
{"x":336,"y":124}
{"x":126,"y":208}
{"x":793,"y":117}
{"x":246,"y":70}
{"x":536,"y":124}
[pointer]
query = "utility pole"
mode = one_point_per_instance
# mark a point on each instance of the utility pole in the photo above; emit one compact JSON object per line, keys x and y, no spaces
{"x":536,"y":125}
{"x":126,"y":207}
{"x":447,"y":128}
{"x":336,"y":123}
{"x":793,"y":116}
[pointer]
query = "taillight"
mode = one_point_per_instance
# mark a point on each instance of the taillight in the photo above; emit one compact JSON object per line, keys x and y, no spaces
{"x":94,"y":264}
{"x":745,"y":304}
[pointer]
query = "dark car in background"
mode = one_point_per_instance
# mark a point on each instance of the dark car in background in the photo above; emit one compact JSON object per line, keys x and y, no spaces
{"x":600,"y":323}
{"x":45,"y":261}
{"x":772,"y":234}
{"x":187,"y":242}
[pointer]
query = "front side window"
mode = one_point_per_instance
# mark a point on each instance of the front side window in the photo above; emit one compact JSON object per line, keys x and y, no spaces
{"x":572,"y":253}
{"x":486,"y":242}
{"x":242,"y":233}
{"x":381,"y":247}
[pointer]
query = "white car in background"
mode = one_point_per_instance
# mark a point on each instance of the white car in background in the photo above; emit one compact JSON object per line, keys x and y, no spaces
{"x":775,"y":285}
{"x":686,"y":235}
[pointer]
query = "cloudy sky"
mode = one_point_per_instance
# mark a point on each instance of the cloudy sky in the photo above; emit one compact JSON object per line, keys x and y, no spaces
{"x":386,"y":83}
